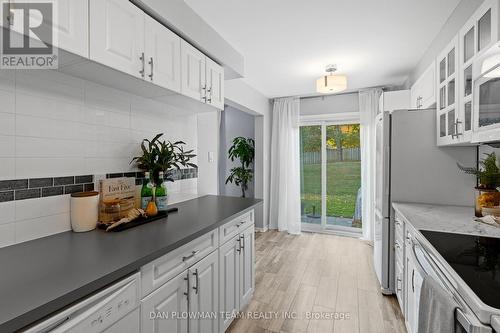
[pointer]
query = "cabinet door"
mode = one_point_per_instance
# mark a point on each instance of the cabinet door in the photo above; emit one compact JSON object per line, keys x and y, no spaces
{"x":215,"y":84}
{"x":229,"y":281}
{"x":247,"y":273}
{"x":192,"y":72}
{"x":157,"y":308}
{"x":163,"y":56}
{"x":117,"y":36}
{"x":71,"y":27}
{"x":428,"y":87}
{"x":447,"y":90}
{"x":204,"y":295}
{"x":410,"y":296}
{"x":415,"y":96}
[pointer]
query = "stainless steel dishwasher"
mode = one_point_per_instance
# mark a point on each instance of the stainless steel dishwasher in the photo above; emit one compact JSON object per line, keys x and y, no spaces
{"x":114,"y":309}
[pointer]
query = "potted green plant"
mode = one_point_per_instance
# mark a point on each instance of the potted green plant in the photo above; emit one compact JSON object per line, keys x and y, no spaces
{"x":158,"y":155}
{"x":488,"y":176}
{"x":244,"y":150}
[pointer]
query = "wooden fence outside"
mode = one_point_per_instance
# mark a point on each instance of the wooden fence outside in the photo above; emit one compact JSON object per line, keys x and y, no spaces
{"x":332,"y":155}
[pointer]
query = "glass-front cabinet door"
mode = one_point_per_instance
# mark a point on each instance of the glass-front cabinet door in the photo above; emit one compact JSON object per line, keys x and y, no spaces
{"x":477,"y":35}
{"x":447,"y":115}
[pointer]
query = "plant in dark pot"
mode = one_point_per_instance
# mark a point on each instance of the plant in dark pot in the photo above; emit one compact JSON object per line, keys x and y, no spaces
{"x":488,"y":176}
{"x":242,"y":149}
{"x":160,"y":155}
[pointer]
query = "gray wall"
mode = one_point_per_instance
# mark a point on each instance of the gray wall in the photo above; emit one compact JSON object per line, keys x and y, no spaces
{"x":341,"y":103}
{"x":233,"y":123}
{"x":455,"y":22}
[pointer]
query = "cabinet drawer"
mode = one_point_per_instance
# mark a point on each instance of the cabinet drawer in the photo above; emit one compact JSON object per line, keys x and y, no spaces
{"x":234,"y":227}
{"x":161,"y":270}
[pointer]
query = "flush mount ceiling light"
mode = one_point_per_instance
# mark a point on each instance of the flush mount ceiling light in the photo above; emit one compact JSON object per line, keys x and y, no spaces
{"x":330,"y":84}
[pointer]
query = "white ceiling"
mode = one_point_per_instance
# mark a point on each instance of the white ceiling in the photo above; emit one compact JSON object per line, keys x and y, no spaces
{"x":287,"y":43}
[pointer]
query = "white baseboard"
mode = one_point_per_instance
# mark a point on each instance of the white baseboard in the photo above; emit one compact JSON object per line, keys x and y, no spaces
{"x":261,"y":229}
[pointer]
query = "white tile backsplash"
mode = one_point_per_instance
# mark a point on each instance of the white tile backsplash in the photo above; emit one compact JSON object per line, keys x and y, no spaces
{"x":7,"y":123}
{"x":7,"y":212}
{"x":33,"y":208}
{"x":7,"y":234}
{"x":41,"y":226}
{"x":7,"y":168}
{"x":53,"y":124}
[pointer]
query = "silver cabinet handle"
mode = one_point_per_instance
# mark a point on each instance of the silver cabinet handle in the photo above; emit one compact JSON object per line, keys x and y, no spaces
{"x":187,"y":286}
{"x":457,"y":132}
{"x":142,"y":71}
{"x":242,"y":237}
{"x":239,"y":245}
{"x":197,"y":281}
{"x":397,"y":245}
{"x":190,"y":256}
{"x":398,"y":222}
{"x":398,"y":286}
{"x":209,"y":91}
{"x":413,"y":280}
{"x":204,"y":94}
{"x":152,"y":68}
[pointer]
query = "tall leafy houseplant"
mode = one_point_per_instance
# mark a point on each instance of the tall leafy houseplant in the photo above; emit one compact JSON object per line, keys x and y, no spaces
{"x":160,"y":155}
{"x":242,"y":149}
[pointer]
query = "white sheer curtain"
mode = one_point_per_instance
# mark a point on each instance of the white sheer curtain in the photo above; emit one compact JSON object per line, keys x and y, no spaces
{"x":368,"y":109}
{"x":284,"y":203}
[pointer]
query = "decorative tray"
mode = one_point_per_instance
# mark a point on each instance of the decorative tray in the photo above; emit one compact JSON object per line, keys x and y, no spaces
{"x":138,"y":221}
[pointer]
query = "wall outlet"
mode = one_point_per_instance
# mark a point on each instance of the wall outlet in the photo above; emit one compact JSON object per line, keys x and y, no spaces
{"x":210,"y":157}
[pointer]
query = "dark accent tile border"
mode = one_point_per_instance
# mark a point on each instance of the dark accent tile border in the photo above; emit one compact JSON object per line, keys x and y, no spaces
{"x":40,"y":182}
{"x":22,"y":189}
{"x":64,"y":181}
{"x":6,"y":196}
{"x":73,"y":189}
{"x":88,"y":187}
{"x":27,"y":194}
{"x":52,"y":191}
{"x":84,"y":179}
{"x":15,"y":184}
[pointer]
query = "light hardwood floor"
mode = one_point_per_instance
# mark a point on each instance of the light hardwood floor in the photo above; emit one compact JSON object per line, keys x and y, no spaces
{"x":321,"y":274}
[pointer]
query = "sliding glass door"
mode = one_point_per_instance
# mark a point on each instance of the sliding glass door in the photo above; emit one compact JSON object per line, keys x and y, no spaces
{"x":331,"y":177}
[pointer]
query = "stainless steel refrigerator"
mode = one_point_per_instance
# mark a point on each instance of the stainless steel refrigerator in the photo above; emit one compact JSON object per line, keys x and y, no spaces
{"x":409,"y":167}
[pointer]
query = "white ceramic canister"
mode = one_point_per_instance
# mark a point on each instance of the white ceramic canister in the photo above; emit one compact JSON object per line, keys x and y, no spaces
{"x":84,"y":211}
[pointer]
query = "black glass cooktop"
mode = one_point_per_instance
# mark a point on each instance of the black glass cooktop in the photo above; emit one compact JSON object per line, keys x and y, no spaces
{"x":476,"y":260}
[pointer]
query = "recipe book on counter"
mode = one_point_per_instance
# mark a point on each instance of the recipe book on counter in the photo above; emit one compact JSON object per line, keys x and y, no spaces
{"x":117,"y":198}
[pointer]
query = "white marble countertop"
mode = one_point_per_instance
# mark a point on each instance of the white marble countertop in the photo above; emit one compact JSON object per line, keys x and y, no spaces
{"x":455,"y":219}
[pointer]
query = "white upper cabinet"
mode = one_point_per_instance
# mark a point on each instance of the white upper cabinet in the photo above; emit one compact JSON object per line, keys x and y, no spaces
{"x":117,"y":36}
{"x":202,"y":79}
{"x":423,"y":92}
{"x":447,"y":88}
{"x":215,"y":84}
{"x":394,"y":100}
{"x":71,"y":26}
{"x":193,"y":72}
{"x":163,"y":56}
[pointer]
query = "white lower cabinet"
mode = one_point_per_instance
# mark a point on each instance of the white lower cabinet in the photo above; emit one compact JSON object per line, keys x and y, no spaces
{"x":158,"y":308}
{"x":247,"y":274}
{"x":204,"y":295}
{"x":229,"y":285}
{"x":216,"y":280}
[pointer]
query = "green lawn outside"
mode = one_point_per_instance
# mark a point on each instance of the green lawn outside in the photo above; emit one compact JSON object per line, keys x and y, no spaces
{"x":343,"y":182}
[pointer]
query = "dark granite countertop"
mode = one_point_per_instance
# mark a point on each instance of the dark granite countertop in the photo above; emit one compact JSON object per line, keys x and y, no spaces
{"x":40,"y":277}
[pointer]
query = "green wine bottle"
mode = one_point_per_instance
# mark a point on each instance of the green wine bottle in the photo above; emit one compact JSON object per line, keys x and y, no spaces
{"x":161,"y":193}
{"x":146,"y":191}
